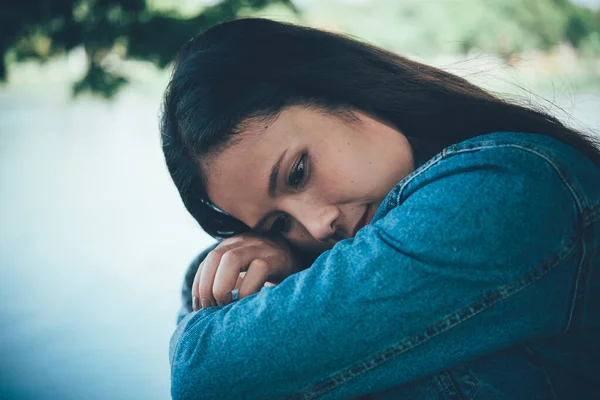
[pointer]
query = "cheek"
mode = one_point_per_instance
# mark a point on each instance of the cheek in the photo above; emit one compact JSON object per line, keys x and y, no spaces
{"x":380,"y":177}
{"x":339,"y":179}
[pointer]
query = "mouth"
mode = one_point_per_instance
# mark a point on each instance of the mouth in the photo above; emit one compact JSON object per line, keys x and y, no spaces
{"x":365,"y":219}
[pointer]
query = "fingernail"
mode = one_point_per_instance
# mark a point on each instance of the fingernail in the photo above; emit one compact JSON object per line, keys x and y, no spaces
{"x":205,"y":303}
{"x":195,"y":304}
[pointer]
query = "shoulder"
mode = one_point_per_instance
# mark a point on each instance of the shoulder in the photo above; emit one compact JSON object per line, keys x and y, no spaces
{"x":468,"y":164}
{"x":497,"y":197}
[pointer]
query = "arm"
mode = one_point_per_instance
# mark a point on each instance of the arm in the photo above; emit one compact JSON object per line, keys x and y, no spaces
{"x":474,"y":255}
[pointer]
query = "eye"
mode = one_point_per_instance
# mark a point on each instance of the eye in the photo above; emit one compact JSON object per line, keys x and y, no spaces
{"x":281,"y":225}
{"x":298,"y":173}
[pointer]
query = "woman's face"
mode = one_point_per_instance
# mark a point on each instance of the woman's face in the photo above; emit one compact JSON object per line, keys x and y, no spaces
{"x":313,"y":176}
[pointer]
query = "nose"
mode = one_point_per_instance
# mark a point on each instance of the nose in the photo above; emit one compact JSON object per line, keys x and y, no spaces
{"x":318,"y":220}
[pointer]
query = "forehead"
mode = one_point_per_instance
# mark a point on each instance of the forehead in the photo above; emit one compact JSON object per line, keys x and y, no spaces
{"x":238,"y":176}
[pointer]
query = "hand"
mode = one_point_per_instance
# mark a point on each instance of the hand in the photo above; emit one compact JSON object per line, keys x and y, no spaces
{"x":264,"y":260}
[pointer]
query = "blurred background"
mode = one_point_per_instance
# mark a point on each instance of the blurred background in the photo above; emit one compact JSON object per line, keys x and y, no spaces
{"x":94,"y":239}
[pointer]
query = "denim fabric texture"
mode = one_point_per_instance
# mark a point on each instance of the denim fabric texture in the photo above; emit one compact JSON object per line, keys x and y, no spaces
{"x":478,"y":278}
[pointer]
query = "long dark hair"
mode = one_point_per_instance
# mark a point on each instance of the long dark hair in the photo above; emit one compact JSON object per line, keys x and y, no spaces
{"x":254,"y":68}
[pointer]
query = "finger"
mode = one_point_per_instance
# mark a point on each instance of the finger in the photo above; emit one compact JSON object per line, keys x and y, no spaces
{"x":232,"y":263}
{"x":256,"y":276}
{"x":195,"y":292}
{"x":203,"y":281}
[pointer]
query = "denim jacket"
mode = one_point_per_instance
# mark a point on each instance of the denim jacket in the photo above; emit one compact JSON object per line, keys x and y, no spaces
{"x":478,"y":278}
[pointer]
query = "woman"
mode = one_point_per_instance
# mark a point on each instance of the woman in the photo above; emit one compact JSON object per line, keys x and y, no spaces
{"x":456,"y":233}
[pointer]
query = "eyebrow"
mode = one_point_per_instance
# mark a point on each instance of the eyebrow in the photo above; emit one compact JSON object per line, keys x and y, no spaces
{"x":274,"y":174}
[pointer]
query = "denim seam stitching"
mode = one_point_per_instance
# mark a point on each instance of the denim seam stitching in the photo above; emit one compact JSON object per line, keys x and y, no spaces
{"x":467,"y":371}
{"x":577,"y":289}
{"x":434,"y":161}
{"x":448,"y":385}
{"x":592,"y":216}
{"x":582,"y":273}
{"x":441,"y":383}
{"x":500,"y":293}
{"x":577,"y":292}
{"x":567,"y":184}
{"x":565,"y":181}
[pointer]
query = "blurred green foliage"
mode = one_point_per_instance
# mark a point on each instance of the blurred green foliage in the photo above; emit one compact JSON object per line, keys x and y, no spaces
{"x":41,"y":29}
{"x":138,"y":29}
{"x":502,"y":27}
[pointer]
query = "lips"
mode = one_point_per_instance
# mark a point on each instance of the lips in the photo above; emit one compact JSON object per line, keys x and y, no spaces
{"x":365,"y":219}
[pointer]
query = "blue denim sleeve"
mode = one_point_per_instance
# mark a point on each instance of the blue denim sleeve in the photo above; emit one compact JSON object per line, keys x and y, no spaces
{"x":474,"y":255}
